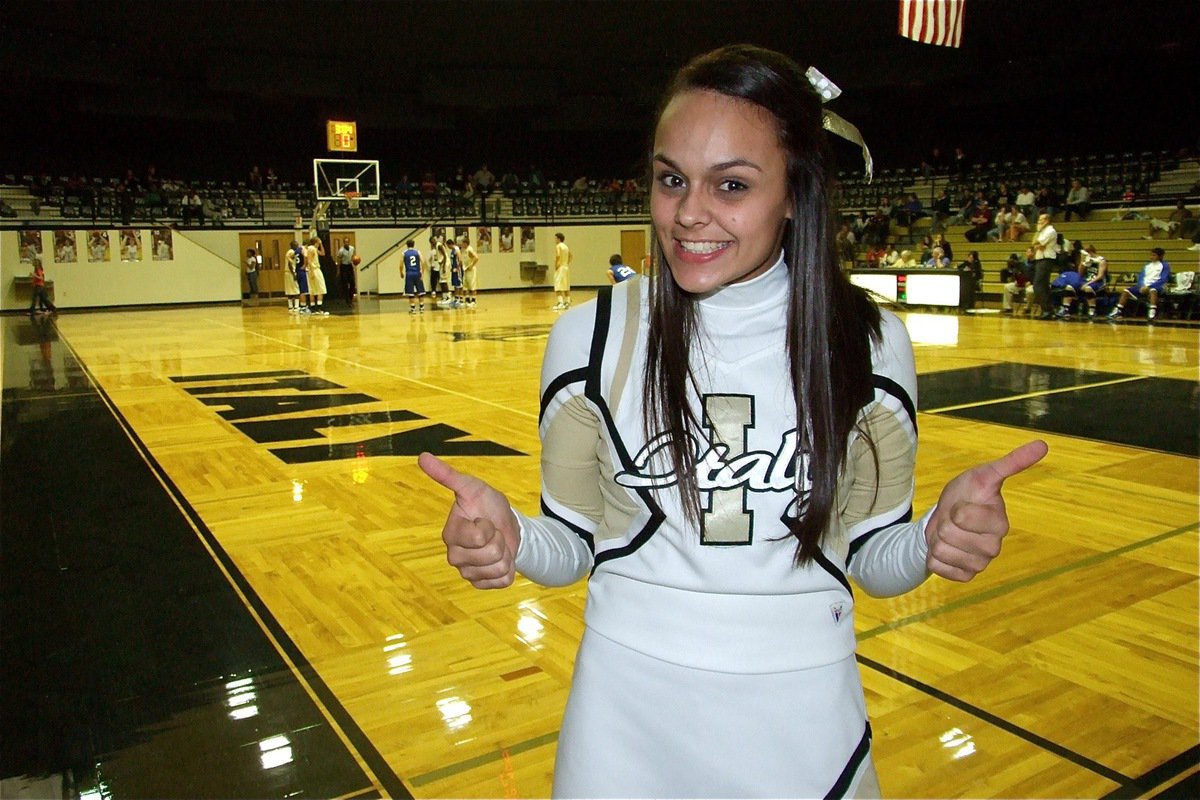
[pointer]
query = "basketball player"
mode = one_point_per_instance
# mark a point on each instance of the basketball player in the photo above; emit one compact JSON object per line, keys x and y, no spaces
{"x":562,"y":273}
{"x":455,"y":258}
{"x":413,"y":266}
{"x":724,"y":445}
{"x":1095,"y":275}
{"x":1151,"y":280}
{"x":316,"y":280}
{"x":300,"y":258}
{"x":470,"y":260}
{"x":617,"y":271}
{"x":437,"y":266}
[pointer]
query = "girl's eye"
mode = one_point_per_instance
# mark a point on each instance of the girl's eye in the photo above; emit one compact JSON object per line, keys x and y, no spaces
{"x":732,"y":185}
{"x":669,"y":180}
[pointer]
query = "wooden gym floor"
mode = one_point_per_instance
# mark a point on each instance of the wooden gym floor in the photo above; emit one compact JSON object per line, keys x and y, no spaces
{"x":223,"y":577}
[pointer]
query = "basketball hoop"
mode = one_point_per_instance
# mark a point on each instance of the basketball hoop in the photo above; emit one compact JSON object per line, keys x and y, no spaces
{"x":351,"y":199}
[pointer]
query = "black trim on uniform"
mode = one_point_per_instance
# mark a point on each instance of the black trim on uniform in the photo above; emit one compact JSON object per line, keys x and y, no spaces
{"x":832,"y":569}
{"x":599,"y":339}
{"x":656,"y":513}
{"x":842,"y":784}
{"x":593,"y":391}
{"x":857,"y":544}
{"x":896,"y":390}
{"x":557,"y":385}
{"x":580,"y":532}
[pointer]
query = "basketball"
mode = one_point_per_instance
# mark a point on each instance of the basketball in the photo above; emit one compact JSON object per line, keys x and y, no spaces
{"x":356,"y":260}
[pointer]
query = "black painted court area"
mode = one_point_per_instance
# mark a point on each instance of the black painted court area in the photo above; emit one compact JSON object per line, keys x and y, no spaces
{"x":1152,"y":413}
{"x":130,"y":666}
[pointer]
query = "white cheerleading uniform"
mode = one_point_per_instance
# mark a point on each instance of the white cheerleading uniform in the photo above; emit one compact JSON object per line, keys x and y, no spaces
{"x":711,"y":666}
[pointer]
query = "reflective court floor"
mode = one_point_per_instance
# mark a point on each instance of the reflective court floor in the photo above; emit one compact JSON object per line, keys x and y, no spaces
{"x":222,"y":574}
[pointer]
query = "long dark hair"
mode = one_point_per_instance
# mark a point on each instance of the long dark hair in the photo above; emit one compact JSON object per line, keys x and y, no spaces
{"x":831,"y":323}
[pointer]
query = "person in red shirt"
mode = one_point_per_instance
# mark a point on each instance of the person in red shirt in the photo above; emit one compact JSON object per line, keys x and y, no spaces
{"x":39,"y":291}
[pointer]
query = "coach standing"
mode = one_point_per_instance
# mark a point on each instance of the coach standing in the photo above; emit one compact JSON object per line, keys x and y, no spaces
{"x":1045,"y":254}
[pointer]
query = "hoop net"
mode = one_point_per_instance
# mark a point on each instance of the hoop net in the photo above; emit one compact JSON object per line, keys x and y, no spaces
{"x":351,"y":199}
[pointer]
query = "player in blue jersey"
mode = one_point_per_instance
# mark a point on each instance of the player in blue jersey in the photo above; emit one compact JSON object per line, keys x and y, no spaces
{"x":302,"y":278}
{"x":618,"y":272}
{"x":726,"y":444}
{"x":414,"y":267}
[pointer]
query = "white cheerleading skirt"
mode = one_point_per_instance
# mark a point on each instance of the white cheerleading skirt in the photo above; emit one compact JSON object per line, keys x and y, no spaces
{"x":637,"y":726}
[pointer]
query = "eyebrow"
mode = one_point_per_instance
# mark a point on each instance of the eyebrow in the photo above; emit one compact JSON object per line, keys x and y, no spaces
{"x":721,"y":167}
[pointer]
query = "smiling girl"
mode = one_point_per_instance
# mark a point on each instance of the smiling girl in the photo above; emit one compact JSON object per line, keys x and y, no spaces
{"x":725,"y":444}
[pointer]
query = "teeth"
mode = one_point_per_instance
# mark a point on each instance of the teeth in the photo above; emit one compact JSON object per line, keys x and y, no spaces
{"x":702,"y":247}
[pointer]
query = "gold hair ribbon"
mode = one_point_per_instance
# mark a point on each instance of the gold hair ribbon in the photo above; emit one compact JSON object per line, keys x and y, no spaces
{"x":834,"y":123}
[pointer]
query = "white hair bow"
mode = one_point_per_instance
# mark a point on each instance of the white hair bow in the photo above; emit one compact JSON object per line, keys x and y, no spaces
{"x":834,"y":123}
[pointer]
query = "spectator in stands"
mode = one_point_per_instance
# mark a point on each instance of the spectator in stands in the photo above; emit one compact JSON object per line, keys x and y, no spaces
{"x":937,"y":260}
{"x":875,"y":255}
{"x":940,"y":240}
{"x":192,"y":209}
{"x":911,"y":210}
{"x":1000,"y":223}
{"x":509,"y":182}
{"x":933,"y":163}
{"x":981,"y":222}
{"x":1026,"y":202}
{"x":1045,"y":253}
{"x":458,"y":184}
{"x":846,"y":243}
{"x":968,"y":207}
{"x":1018,"y":225}
{"x":941,"y":209}
{"x":1004,"y":196}
{"x":429,"y":185}
{"x":908,"y":260}
{"x":210,"y":210}
{"x":1046,"y":201}
{"x":927,"y":249}
{"x":1078,"y":201}
{"x":892,"y":259}
{"x":1174,"y":222}
{"x":255,"y":179}
{"x":1151,"y":281}
{"x":1017,"y":284}
{"x":970,"y":273}
{"x":878,"y":227}
{"x":483,"y":180}
{"x":960,"y":164}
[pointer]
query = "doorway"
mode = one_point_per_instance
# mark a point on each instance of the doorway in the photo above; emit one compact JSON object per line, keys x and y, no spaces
{"x":634,"y":249}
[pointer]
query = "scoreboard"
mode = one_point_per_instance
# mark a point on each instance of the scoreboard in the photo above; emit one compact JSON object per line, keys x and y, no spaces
{"x":341,"y":136}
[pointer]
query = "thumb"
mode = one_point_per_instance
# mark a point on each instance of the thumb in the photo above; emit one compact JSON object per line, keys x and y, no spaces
{"x":462,"y":485}
{"x":993,"y":475}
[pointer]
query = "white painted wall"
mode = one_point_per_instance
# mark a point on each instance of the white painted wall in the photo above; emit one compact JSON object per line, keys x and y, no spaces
{"x":206,"y":265}
{"x":200,"y":272}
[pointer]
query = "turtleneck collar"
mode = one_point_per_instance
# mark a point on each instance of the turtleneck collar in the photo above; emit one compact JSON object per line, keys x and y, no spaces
{"x":760,"y":290}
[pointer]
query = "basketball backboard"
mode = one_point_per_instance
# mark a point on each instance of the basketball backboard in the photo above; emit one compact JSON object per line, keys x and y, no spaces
{"x":334,"y":177}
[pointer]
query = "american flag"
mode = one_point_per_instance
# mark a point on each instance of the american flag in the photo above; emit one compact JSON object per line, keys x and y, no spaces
{"x":932,"y":21}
